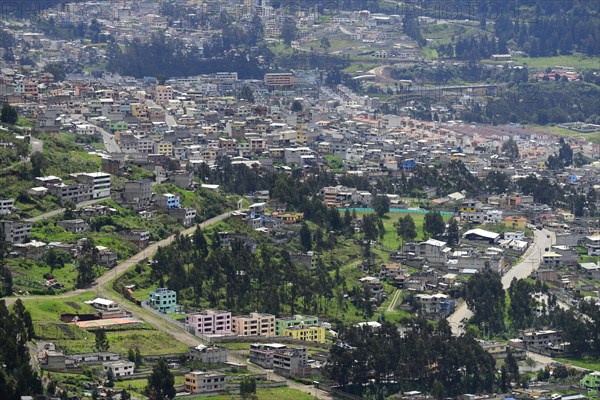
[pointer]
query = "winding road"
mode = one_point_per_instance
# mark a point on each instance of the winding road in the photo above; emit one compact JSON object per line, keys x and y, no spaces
{"x":531,"y":261}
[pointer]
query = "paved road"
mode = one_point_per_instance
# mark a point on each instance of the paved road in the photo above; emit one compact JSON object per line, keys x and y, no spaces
{"x":108,"y":138}
{"x":395,"y":298}
{"x":531,"y":261}
{"x":53,"y":213}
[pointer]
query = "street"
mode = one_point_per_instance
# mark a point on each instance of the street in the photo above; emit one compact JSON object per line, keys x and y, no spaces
{"x":110,"y":144}
{"x":53,"y":213}
{"x":531,"y":261}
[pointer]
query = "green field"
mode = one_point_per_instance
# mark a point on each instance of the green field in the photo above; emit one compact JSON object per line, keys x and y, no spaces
{"x":28,"y":275}
{"x":557,"y":130}
{"x":575,"y":61}
{"x":593,"y":364}
{"x":282,"y":393}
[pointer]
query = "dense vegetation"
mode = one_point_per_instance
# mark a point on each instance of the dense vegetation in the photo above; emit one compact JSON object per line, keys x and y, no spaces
{"x":425,"y":358}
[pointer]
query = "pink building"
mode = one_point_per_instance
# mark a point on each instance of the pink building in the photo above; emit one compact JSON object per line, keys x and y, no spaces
{"x":209,"y":322}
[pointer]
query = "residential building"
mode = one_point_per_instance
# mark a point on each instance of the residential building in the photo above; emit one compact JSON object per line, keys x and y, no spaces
{"x":107,"y":257}
{"x":435,"y":252}
{"x":291,"y":362}
{"x":279,"y":80}
{"x":209,"y":322}
{"x":436,"y":305}
{"x":185,"y":215}
{"x":541,"y":338}
{"x":138,"y":193}
{"x":305,"y":333}
{"x":198,"y":382}
{"x":282,"y":323}
{"x":208,"y":354}
{"x":255,"y":324}
{"x":515,"y":222}
{"x":262,"y":354}
{"x":74,"y":225}
{"x":163,"y":300}
{"x":119,"y":368}
{"x":138,"y":237}
{"x":592,"y":383}
{"x":481,"y":235}
{"x":592,"y":244}
{"x":6,"y":206}
{"x":167,"y":200}
{"x":162,"y":94}
{"x":16,"y":231}
{"x":374,"y":286}
{"x":99,"y":181}
{"x":75,"y":192}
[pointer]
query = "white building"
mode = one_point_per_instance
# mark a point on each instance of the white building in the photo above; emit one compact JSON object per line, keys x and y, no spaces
{"x":99,"y":181}
{"x":6,"y":206}
{"x":119,"y":368}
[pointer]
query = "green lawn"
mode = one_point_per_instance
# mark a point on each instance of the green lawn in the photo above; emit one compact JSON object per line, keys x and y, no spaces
{"x":28,"y":275}
{"x":283,"y":393}
{"x":49,"y":310}
{"x":575,"y":61}
{"x":557,"y":130}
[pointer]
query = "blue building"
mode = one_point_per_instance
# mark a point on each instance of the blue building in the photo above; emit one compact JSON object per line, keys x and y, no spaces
{"x":164,"y":300}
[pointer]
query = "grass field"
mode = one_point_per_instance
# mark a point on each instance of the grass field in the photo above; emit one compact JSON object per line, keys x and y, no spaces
{"x":282,"y":393}
{"x":28,"y":275}
{"x":575,"y":61}
{"x":557,"y":130}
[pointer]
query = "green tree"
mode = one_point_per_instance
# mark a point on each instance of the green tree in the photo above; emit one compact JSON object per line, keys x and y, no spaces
{"x":453,"y":234}
{"x":325,"y":44}
{"x":434,"y":224}
{"x":138,"y":357}
{"x":485,"y":297}
{"x":161,"y":383}
{"x":305,"y":237}
{"x":125,"y":395}
{"x":131,"y":355}
{"x":247,"y":94}
{"x":38,"y":163}
{"x":381,"y":205}
{"x":247,"y":387}
{"x":297,"y":106}
{"x":512,"y":368}
{"x":406,"y":228}
{"x":289,"y":31}
{"x":24,"y":318}
{"x":101,"y":340}
{"x":9,"y":114}
{"x":57,"y":70}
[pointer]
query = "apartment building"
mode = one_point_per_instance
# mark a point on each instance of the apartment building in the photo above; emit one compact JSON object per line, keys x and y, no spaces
{"x":162,"y":94}
{"x":198,"y":382}
{"x":163,"y":300}
{"x":185,"y":215}
{"x":262,"y":353}
{"x":209,"y":322}
{"x":74,"y":225}
{"x":138,"y":193}
{"x":163,"y":148}
{"x":541,"y":338}
{"x":282,"y":323}
{"x":208,"y":354}
{"x":435,"y":252}
{"x":6,"y":206}
{"x":306,"y":333}
{"x":75,"y":192}
{"x":139,"y":237}
{"x":255,"y":324}
{"x":99,"y":182}
{"x":291,"y":362}
{"x":119,"y":368}
{"x":435,"y":305}
{"x":167,"y":200}
{"x":279,"y":80}
{"x":15,"y":231}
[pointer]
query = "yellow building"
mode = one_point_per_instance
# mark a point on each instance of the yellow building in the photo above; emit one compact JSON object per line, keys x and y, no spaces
{"x":164,"y":148}
{"x":306,"y":333}
{"x":515,"y":223}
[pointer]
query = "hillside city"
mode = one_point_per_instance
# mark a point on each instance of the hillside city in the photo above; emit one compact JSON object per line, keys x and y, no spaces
{"x":275,"y":199}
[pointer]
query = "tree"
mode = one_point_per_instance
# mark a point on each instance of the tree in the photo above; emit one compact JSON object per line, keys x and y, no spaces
{"x":101,"y":340}
{"x":289,"y":31}
{"x":138,"y":357}
{"x":247,"y":387}
{"x":9,"y":114}
{"x":453,"y":234}
{"x":325,"y":44}
{"x":434,"y":224}
{"x":510,"y":149}
{"x":110,"y":378}
{"x":24,"y":318}
{"x":161,"y":383}
{"x":247,"y":94}
{"x":125,"y":395}
{"x":297,"y":106}
{"x":485,"y":297}
{"x":406,"y":228}
{"x":57,"y":70}
{"x":381,"y":205}
{"x":131,"y":355}
{"x":512,"y":367}
{"x":305,"y":237}
{"x":38,"y":163}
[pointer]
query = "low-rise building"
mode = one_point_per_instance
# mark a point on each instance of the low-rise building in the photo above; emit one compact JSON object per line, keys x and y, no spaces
{"x":291,"y":362}
{"x":119,"y":368}
{"x":543,"y":338}
{"x":209,"y":322}
{"x":167,"y":201}
{"x":15,"y":231}
{"x":163,"y":300}
{"x":435,"y":252}
{"x":306,"y":333}
{"x":198,"y":382}
{"x":255,"y":324}
{"x":208,"y":354}
{"x":7,"y":206}
{"x":74,"y":225}
{"x":98,"y":181}
{"x":296,"y":320}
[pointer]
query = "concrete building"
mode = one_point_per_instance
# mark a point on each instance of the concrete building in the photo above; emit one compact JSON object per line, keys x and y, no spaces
{"x":255,"y":324}
{"x":163,"y":300}
{"x":99,"y":182}
{"x":198,"y":382}
{"x":208,"y":354}
{"x":282,"y":323}
{"x":306,"y":333}
{"x":592,"y":244}
{"x":436,"y":305}
{"x":167,"y":200}
{"x":74,"y":225}
{"x":6,"y":206}
{"x":541,"y":338}
{"x":15,"y":231}
{"x":435,"y":252}
{"x":279,"y":80}
{"x":138,"y":193}
{"x":119,"y":368}
{"x":138,"y":237}
{"x":291,"y":362}
{"x":209,"y":322}
{"x":186,"y":216}
{"x":162,"y":94}
{"x":262,"y":354}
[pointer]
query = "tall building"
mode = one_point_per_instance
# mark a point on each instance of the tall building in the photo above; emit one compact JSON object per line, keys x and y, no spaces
{"x":255,"y":324}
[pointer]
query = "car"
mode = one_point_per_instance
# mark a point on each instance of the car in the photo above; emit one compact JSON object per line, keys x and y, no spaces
{"x":548,"y":236}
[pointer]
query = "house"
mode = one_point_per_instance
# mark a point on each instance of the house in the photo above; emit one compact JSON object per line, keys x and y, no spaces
{"x":542,"y":338}
{"x":74,"y":225}
{"x":7,"y":206}
{"x":481,"y":235}
{"x":167,"y":201}
{"x":391,"y":271}
{"x":374,"y":286}
{"x":163,"y":300}
{"x":15,"y":231}
{"x":255,"y":324}
{"x":138,"y":194}
{"x":139,"y":237}
{"x":98,"y":181}
{"x":551,"y":259}
{"x":208,"y":354}
{"x":515,"y":222}
{"x":517,"y":235}
{"x":592,"y":244}
{"x":282,"y":323}
{"x":184,"y":215}
{"x":435,"y":252}
{"x":592,"y":383}
{"x":292,"y":362}
{"x":436,"y":305}
{"x":262,"y":354}
{"x":209,"y":322}
{"x":107,"y":257}
{"x":205,"y":383}
{"x":309,"y":333}
{"x":119,"y":368}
